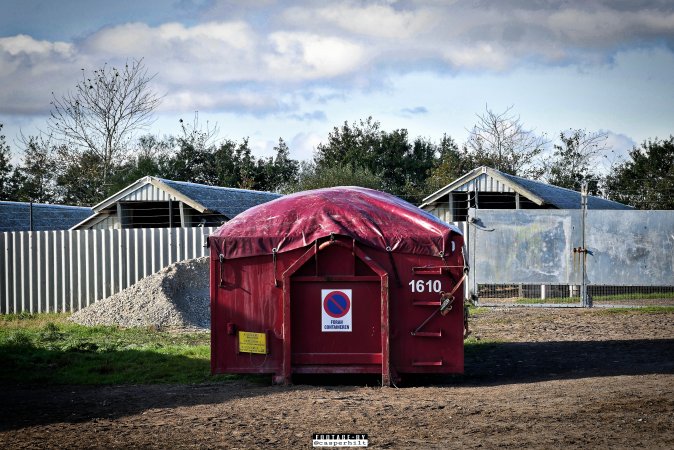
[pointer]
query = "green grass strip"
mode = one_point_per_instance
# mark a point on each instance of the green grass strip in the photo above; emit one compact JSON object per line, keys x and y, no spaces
{"x":551,"y":300}
{"x":637,"y":310}
{"x":47,"y":349}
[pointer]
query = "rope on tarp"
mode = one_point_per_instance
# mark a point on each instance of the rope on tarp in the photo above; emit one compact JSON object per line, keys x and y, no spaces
{"x":221,"y":257}
{"x":394,"y":266}
{"x":273,"y":257}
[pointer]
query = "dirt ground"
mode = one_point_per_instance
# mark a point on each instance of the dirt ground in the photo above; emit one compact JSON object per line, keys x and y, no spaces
{"x":566,"y":378}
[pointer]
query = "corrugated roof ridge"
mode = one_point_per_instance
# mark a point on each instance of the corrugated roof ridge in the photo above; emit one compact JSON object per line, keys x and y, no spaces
{"x":49,"y":205}
{"x":216,"y":187}
{"x":554,"y":186}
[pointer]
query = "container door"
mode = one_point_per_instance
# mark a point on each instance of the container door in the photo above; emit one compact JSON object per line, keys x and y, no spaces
{"x":336,"y":317}
{"x":336,"y":324}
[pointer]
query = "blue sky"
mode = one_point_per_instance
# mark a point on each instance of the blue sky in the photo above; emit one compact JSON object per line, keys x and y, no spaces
{"x":295,"y":69}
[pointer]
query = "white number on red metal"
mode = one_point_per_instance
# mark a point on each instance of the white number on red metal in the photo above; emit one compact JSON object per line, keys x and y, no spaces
{"x":418,"y":286}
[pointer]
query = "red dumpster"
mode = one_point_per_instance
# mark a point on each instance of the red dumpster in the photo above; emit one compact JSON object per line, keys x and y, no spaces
{"x":338,"y":280}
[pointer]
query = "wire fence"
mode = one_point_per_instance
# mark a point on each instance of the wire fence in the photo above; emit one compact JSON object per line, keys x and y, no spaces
{"x":624,"y":257}
{"x":563,"y":294}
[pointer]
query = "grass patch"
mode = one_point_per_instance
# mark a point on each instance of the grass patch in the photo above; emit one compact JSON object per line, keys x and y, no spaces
{"x":477,"y":310}
{"x":473,"y":346}
{"x":634,"y":296}
{"x":46,"y":348}
{"x":551,"y":300}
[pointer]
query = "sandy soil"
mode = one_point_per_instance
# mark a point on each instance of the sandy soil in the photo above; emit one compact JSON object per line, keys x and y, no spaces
{"x":565,"y":378}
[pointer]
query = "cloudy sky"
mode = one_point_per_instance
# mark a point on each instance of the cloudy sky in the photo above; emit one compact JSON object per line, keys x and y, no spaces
{"x":295,"y":69}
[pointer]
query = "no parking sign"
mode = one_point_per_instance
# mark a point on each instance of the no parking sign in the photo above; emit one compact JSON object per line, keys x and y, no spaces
{"x":336,"y":310}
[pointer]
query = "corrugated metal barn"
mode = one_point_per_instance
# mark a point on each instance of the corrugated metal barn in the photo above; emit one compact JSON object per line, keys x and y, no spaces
{"x":487,"y":188}
{"x":153,"y":202}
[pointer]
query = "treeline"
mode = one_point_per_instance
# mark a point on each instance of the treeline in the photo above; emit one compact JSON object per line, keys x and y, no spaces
{"x":359,"y":153}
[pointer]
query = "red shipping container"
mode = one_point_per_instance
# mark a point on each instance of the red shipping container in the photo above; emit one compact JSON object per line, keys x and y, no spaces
{"x":338,"y":280}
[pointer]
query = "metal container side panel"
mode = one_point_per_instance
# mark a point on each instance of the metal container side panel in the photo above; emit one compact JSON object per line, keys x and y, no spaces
{"x":215,"y":322}
{"x":437,"y":347}
{"x":250,"y":301}
{"x":247,"y":299}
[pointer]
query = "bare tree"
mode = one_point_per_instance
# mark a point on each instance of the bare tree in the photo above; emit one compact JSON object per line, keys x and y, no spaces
{"x":500,"y":140}
{"x":101,"y":115}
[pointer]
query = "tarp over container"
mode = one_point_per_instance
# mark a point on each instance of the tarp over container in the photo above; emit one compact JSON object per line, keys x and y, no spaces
{"x":336,"y":280}
{"x":373,"y":218}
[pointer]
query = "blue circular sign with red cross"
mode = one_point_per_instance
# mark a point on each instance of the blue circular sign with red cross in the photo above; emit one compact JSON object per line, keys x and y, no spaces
{"x":337,"y":304}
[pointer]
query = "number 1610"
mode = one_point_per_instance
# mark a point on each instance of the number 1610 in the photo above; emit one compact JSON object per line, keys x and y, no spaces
{"x":425,"y":286}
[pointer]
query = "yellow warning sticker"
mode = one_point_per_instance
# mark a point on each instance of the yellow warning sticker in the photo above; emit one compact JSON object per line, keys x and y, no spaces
{"x":252,"y":342}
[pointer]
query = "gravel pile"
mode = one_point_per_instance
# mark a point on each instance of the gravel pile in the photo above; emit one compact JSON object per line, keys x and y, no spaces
{"x":175,"y":297}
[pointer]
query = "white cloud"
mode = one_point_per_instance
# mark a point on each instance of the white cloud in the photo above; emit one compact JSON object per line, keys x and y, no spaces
{"x":608,"y":27}
{"x":27,"y":66}
{"x":195,"y":100}
{"x":480,"y":56}
{"x":375,"y":20}
{"x":259,"y":53}
{"x":22,"y":44}
{"x":302,"y":145}
{"x":306,"y":56}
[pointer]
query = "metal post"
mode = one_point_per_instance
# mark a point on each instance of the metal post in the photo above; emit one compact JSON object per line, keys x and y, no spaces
{"x":585,"y":300}
{"x":170,"y":208}
{"x":30,"y":218}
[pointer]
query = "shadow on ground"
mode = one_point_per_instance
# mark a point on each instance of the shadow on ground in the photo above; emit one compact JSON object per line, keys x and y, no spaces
{"x":525,"y":362}
{"x":485,"y":364}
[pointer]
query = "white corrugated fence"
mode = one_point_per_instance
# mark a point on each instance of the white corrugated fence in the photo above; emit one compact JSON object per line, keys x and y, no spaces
{"x":55,"y":271}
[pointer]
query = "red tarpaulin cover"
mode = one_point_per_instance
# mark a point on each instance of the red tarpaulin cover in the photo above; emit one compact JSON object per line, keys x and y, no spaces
{"x":370,"y":217}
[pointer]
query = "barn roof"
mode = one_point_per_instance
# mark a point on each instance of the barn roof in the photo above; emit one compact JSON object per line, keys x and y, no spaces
{"x":486,"y":179}
{"x":15,"y":216}
{"x":226,"y":201}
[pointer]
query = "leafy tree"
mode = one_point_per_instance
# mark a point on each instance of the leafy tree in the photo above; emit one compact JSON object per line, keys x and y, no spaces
{"x":77,"y":177}
{"x":312,"y":177}
{"x":37,"y":170}
{"x":400,"y":165}
{"x":574,"y":159}
{"x":418,"y":165}
{"x":226,"y":166}
{"x":6,"y":169}
{"x":97,"y":120}
{"x":499,"y":140}
{"x":453,"y":163}
{"x":245,"y":165}
{"x":646,"y":180}
{"x":286,"y":169}
{"x":277,"y":173}
{"x":235,"y":165}
{"x":352,"y":145}
{"x":194,"y":161}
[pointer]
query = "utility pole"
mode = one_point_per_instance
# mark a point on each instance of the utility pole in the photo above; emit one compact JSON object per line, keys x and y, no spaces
{"x":585,"y":299}
{"x":30,"y":216}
